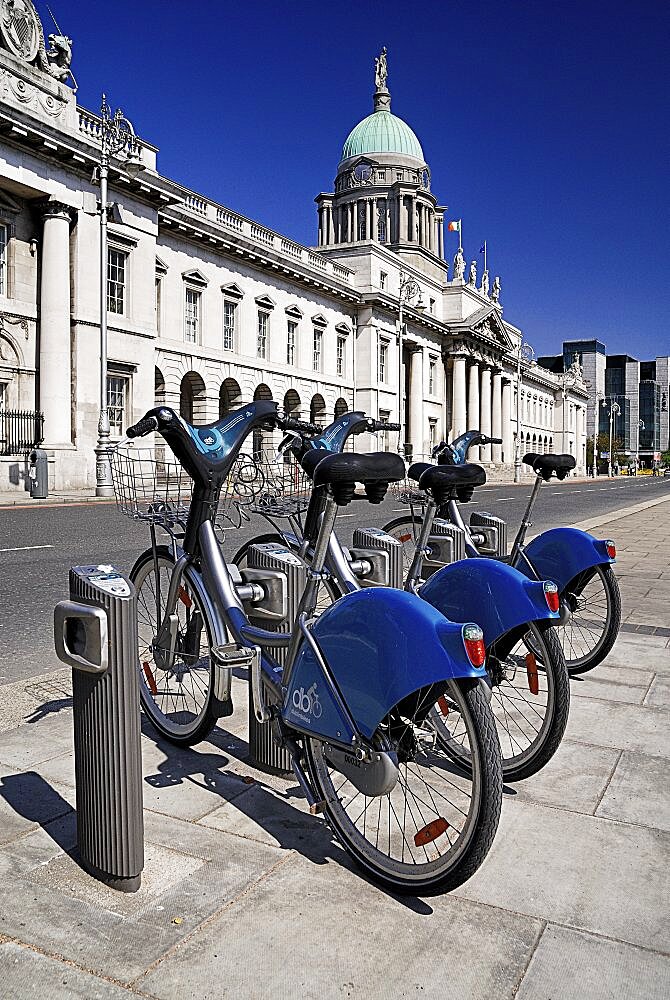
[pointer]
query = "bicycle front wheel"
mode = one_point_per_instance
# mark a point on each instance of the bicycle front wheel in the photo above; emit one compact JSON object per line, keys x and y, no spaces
{"x":406,"y":530}
{"x":593,"y":605}
{"x":432,"y":831}
{"x":175,"y":667}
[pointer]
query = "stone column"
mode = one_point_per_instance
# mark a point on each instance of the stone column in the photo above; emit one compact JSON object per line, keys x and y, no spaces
{"x":579,"y":430}
{"x":473,"y":407}
{"x":440,"y":234}
{"x":496,"y":416}
{"x":507,"y":435}
{"x":321,"y":239}
{"x":458,"y":416}
{"x":416,"y":400}
{"x":54,"y":361}
{"x":368,"y":218}
{"x":485,"y":412}
{"x":329,"y":224}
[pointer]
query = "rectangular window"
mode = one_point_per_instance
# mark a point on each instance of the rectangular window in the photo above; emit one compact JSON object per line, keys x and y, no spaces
{"x":341,"y":358}
{"x":116,"y":281}
{"x":383,"y":359}
{"x":157,"y":305}
{"x":117,"y":403}
{"x":192,"y":316}
{"x":432,"y":434}
{"x":318,"y":338}
{"x":383,"y":437}
{"x":383,"y":278}
{"x":432,"y":374}
{"x":381,"y":221}
{"x":291,"y":333}
{"x":398,"y":175}
{"x":229,"y":318}
{"x":262,"y":337}
{"x":382,"y":175}
{"x":4,"y":239}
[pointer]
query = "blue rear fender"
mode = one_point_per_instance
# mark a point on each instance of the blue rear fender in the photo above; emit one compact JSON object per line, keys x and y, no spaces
{"x":496,"y":595}
{"x":381,"y":645}
{"x":561,"y":553}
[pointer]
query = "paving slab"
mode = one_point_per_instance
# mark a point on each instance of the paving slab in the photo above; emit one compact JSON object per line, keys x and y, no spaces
{"x":627,"y":727}
{"x":638,"y":792}
{"x":26,"y":973}
{"x":583,"y":871}
{"x":571,"y":965}
{"x":33,"y":743}
{"x":325,"y":932}
{"x":591,"y":686}
{"x":28,"y":801}
{"x":658,"y":695}
{"x":575,"y":778}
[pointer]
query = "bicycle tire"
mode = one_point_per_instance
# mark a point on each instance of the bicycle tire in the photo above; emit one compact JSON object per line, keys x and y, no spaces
{"x":414,"y":524}
{"x":580,"y":662}
{"x":461,"y":858}
{"x":194,"y":721}
{"x":540,"y":699}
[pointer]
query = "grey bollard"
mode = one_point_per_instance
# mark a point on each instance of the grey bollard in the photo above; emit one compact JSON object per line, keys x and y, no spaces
{"x":95,"y":633}
{"x":38,"y":473}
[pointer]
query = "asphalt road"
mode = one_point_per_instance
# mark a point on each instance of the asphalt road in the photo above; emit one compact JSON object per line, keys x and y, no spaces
{"x":39,"y":544}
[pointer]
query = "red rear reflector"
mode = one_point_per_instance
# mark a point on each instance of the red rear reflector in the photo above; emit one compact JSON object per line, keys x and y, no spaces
{"x":404,"y":538}
{"x":443,"y":704}
{"x":473,"y":640}
{"x":150,"y":678}
{"x":551,"y":596}
{"x":430,"y":832}
{"x":611,"y":549}
{"x":184,"y":598}
{"x":531,"y":670}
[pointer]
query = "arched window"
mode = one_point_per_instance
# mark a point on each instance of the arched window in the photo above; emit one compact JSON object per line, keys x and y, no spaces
{"x":341,"y":406}
{"x":159,"y":388}
{"x":192,"y":404}
{"x":260,"y":437}
{"x":317,"y":409}
{"x":292,"y":404}
{"x":230,"y":397}
{"x":262,"y":391}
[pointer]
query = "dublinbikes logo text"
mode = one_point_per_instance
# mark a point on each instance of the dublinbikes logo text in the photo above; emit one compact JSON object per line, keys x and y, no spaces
{"x":306,"y":704}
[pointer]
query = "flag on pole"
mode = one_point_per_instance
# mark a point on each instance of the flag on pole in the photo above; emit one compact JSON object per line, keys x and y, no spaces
{"x":454,"y":226}
{"x":482,"y":248}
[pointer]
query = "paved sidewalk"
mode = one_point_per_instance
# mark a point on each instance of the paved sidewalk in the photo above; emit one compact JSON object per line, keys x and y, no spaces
{"x":245,"y":895}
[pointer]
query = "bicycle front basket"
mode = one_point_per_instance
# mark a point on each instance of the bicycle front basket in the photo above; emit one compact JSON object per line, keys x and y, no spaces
{"x":150,"y":484}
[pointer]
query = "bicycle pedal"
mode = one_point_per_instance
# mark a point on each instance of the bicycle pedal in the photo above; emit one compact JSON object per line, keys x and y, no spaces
{"x":233,"y":655}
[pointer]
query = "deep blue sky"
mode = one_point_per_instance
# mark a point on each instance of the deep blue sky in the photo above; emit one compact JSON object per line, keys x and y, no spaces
{"x":545,"y":125}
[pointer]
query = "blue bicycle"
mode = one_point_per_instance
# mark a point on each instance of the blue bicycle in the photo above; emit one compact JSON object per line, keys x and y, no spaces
{"x":349,"y":693}
{"x":527,"y":680}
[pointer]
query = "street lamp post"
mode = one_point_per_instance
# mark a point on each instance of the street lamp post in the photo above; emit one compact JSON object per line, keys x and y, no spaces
{"x":613,"y":407}
{"x":409,"y":290}
{"x":568,"y":381}
{"x":116,"y":136}
{"x":525,"y":353}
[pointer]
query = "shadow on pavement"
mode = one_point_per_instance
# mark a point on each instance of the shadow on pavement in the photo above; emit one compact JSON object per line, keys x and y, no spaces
{"x":32,"y":797}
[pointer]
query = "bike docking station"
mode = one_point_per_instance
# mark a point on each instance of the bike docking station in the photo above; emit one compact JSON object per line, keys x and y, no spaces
{"x":95,"y":633}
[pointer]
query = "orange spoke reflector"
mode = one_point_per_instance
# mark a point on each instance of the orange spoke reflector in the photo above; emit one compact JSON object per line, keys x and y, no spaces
{"x":430,"y":832}
{"x":404,"y":538}
{"x":531,"y":670}
{"x":184,"y":598}
{"x":444,"y":705}
{"x":150,"y":678}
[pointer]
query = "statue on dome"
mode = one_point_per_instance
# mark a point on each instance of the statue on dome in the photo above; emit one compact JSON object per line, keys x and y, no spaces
{"x":459,"y":265}
{"x":495,"y":291}
{"x":485,"y":284}
{"x":472,"y":273}
{"x":381,"y":70}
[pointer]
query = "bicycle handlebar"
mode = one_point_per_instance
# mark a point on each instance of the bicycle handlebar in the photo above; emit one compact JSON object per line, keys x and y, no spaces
{"x":144,"y":426}
{"x":301,"y":426}
{"x":381,"y":425}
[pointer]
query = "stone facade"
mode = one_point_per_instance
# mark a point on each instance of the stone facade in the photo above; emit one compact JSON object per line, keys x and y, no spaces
{"x":207,"y":309}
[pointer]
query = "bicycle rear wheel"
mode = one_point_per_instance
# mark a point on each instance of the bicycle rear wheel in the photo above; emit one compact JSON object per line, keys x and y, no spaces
{"x":176,"y":691}
{"x":432,"y":831}
{"x":530,"y":701}
{"x":594,"y":605}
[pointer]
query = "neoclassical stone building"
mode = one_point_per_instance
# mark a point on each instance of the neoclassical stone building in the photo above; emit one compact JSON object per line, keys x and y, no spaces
{"x":207,"y":309}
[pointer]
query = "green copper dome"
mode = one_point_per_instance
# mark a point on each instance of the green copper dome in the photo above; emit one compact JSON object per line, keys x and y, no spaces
{"x":382,"y":132}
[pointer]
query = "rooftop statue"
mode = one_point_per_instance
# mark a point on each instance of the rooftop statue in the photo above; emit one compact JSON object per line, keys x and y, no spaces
{"x":485,"y":284}
{"x":381,"y":70}
{"x":495,"y":291}
{"x":472,"y":273}
{"x":459,"y":265}
{"x":57,"y":58}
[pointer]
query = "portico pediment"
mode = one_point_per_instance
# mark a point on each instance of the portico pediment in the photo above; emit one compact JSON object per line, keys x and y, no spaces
{"x":486,"y":325}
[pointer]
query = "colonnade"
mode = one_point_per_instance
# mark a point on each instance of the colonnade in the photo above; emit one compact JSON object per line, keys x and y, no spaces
{"x":486,"y":406}
{"x":405,"y":218}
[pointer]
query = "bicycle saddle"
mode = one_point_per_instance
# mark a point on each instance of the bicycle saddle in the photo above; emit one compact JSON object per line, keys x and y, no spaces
{"x":546,"y":465}
{"x":342,"y":471}
{"x":442,"y":480}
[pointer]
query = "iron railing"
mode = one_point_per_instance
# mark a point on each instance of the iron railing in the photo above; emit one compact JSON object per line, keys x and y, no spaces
{"x":20,"y":430}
